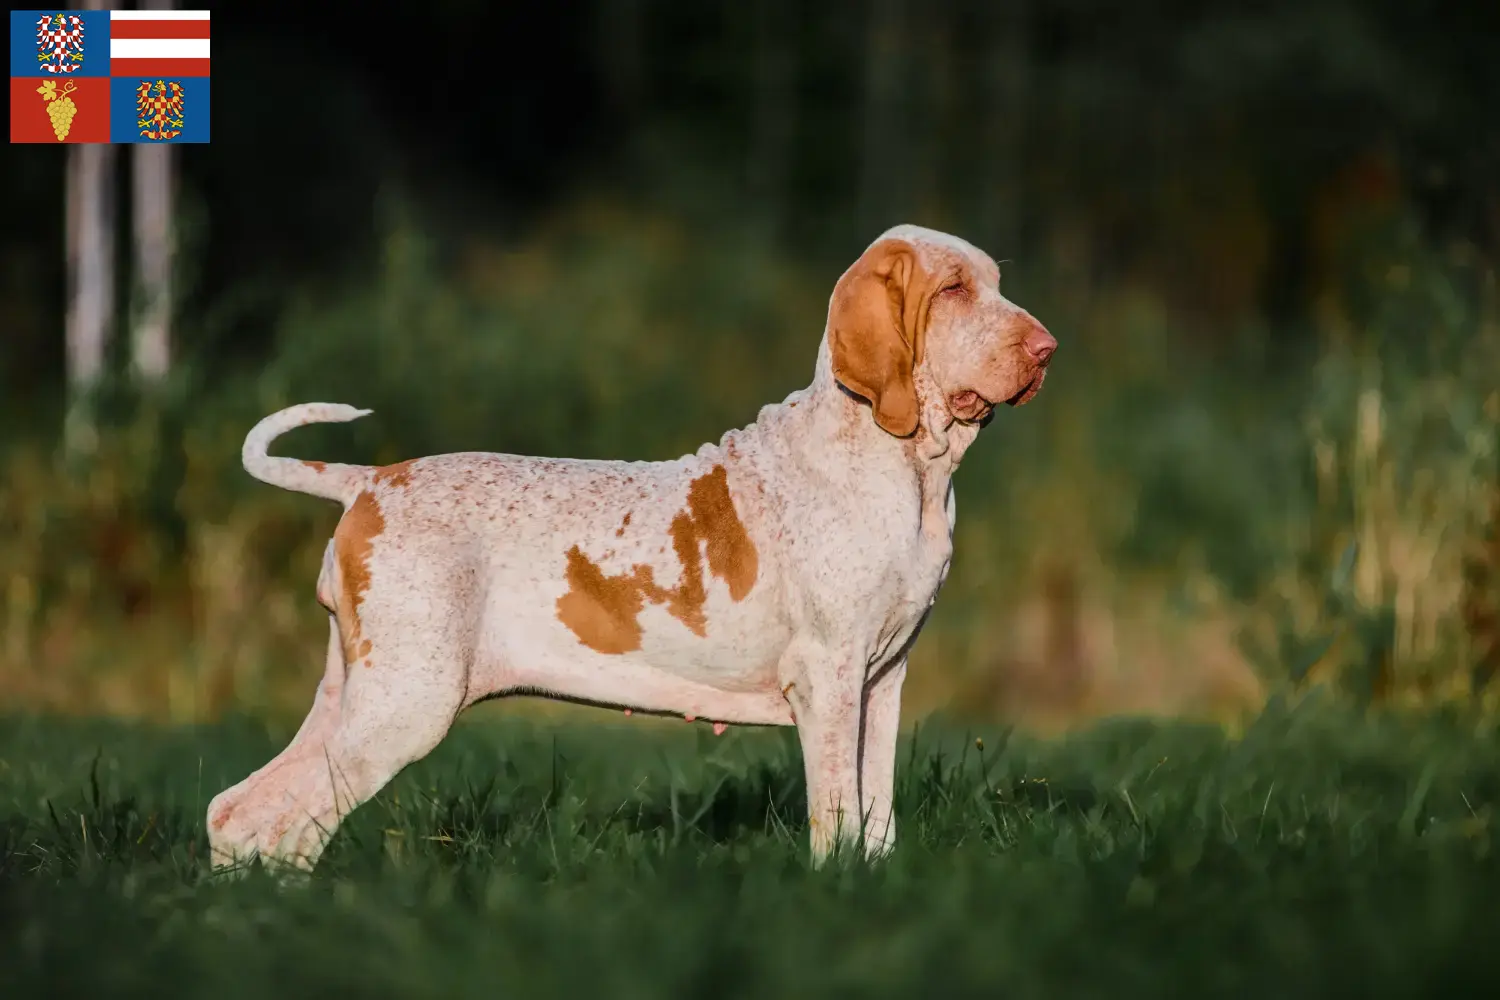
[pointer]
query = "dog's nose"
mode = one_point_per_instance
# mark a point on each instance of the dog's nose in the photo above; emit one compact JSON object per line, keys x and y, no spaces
{"x":1040,"y":344}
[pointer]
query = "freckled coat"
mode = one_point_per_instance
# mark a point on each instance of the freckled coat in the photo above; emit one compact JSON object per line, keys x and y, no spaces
{"x":776,"y":577}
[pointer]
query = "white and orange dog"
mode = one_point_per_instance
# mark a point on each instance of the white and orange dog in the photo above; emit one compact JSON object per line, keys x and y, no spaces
{"x":778,"y":577}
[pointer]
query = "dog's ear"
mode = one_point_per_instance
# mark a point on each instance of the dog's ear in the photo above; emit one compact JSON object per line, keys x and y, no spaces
{"x":877,"y":319}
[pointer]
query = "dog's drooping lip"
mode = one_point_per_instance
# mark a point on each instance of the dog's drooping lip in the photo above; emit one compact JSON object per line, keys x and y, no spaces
{"x":973,"y":408}
{"x":969,"y":406}
{"x":1029,"y":390}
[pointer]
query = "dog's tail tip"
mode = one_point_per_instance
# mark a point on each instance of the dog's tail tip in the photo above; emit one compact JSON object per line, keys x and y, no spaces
{"x":333,"y":481}
{"x":325,"y":413}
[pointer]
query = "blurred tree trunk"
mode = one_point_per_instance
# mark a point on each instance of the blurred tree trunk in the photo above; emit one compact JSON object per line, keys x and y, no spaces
{"x":90,"y":222}
{"x":151,"y":215}
{"x":883,"y":162}
{"x":1005,"y":76}
{"x":775,"y":111}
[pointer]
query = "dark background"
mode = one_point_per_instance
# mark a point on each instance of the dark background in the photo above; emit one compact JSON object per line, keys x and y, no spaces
{"x":1132,"y":123}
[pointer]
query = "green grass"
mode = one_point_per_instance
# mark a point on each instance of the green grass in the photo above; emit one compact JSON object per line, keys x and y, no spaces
{"x":1319,"y":853}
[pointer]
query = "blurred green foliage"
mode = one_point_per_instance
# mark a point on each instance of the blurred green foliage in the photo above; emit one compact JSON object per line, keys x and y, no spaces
{"x":1199,"y":501}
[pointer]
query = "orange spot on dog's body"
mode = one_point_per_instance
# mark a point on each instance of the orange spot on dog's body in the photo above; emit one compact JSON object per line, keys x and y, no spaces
{"x":353,"y":542}
{"x":686,"y":599}
{"x":620,"y":531}
{"x":394,"y":475}
{"x":604,"y":611}
{"x":731,"y":555}
{"x":315,"y":466}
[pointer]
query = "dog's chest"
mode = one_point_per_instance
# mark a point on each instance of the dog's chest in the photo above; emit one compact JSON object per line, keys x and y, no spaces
{"x":931,"y":552}
{"x":914,"y":573}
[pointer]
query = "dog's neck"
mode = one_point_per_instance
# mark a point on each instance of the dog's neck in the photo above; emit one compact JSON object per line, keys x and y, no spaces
{"x":935,"y":448}
{"x":825,"y":422}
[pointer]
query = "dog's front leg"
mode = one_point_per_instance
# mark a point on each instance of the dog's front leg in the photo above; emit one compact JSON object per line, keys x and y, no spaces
{"x":825,"y":691}
{"x":882,"y":723}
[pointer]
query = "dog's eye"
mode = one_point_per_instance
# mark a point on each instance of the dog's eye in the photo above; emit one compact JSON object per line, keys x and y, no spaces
{"x":953,"y":288}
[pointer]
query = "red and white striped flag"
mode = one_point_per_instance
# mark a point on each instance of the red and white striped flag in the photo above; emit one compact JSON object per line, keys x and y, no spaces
{"x":158,"y":43}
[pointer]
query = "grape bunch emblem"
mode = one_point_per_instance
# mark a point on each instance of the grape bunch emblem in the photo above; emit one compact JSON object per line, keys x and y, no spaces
{"x":60,"y":107}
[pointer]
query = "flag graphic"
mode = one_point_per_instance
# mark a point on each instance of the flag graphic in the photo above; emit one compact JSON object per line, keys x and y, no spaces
{"x":158,"y":43}
{"x":59,"y":44}
{"x":157,"y":109}
{"x":52,"y":111}
{"x":117,"y":76}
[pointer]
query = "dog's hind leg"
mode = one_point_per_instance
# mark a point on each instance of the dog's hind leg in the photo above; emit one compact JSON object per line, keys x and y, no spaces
{"x":403,"y":667}
{"x":233,"y":814}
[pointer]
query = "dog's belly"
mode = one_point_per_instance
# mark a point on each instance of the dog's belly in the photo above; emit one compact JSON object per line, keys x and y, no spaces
{"x":720,"y":665}
{"x":643,"y":688}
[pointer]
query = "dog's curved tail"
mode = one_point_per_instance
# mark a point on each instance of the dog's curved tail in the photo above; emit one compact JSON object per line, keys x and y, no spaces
{"x":329,"y":480}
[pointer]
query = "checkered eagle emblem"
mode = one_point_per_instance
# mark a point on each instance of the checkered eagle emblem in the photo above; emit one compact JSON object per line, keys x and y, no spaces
{"x":59,"y":43}
{"x":158,"y":109}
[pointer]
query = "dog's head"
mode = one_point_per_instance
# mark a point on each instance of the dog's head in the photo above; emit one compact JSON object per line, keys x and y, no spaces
{"x":920,"y":301}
